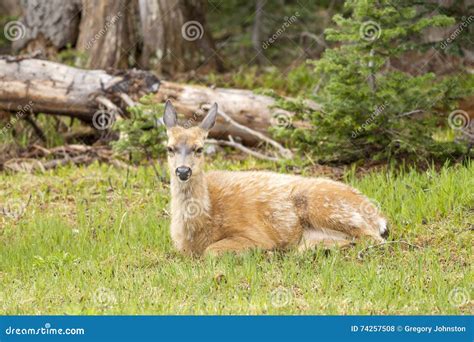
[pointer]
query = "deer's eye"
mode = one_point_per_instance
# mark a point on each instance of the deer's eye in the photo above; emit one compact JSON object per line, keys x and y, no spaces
{"x":170,"y":149}
{"x":199,"y":150}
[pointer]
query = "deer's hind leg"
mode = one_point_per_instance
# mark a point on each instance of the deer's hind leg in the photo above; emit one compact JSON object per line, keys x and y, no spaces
{"x":325,"y":238}
{"x":340,"y":209}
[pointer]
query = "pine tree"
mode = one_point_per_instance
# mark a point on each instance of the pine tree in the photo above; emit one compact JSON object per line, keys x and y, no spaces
{"x":371,"y":110}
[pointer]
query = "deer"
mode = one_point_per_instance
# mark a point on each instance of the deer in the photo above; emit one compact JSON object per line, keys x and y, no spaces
{"x":236,"y":211}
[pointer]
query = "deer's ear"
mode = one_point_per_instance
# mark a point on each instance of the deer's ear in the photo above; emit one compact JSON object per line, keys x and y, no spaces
{"x":170,"y":118}
{"x":210,"y":118}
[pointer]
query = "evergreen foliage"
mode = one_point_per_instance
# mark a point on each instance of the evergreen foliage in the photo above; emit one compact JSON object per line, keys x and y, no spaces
{"x":142,"y":136}
{"x":371,"y":110}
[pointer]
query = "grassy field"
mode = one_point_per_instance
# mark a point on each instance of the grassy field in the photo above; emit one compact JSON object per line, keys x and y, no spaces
{"x":95,"y":240}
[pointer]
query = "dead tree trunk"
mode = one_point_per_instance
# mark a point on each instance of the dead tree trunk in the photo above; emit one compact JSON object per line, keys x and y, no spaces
{"x":163,"y":42}
{"x":257,"y":30}
{"x":173,"y":32}
{"x":168,"y":36}
{"x":195,"y":11}
{"x":47,"y":26}
{"x":108,"y":33}
{"x":150,"y":33}
{"x":10,"y":8}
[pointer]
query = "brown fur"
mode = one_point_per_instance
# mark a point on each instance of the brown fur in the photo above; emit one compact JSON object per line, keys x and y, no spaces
{"x":222,"y":211}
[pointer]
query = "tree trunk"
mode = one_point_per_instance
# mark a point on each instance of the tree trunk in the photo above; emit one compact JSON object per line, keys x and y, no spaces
{"x":151,"y":34}
{"x":257,"y":30}
{"x":195,"y":11}
{"x":11,"y":8}
{"x":169,"y":36}
{"x":48,"y":26}
{"x":108,"y":33}
{"x":163,"y":44}
{"x":173,"y":31}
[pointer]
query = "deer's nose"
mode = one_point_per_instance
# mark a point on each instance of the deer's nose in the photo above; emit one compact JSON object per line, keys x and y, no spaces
{"x":183,"y":172}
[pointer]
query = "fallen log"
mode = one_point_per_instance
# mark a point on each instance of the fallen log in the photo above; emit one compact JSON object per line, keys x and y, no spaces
{"x":53,"y":88}
{"x":258,"y":112}
{"x":29,"y":85}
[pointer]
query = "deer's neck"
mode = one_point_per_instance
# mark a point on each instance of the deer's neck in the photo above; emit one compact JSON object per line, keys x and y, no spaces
{"x":190,"y":206}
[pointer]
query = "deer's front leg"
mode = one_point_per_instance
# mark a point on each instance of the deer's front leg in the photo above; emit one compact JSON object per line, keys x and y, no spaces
{"x":232,"y":244}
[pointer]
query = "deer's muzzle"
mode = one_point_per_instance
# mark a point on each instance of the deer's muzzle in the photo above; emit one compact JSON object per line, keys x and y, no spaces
{"x":183,"y":173}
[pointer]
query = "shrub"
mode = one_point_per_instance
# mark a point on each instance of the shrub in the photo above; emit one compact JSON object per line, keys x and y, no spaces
{"x":142,"y":135}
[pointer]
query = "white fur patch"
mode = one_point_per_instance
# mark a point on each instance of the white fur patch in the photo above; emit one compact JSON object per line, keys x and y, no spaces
{"x":357,"y":220}
{"x":321,"y":234}
{"x":382,"y":223}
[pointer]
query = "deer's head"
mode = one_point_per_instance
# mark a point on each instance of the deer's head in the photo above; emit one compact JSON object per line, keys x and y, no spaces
{"x":185,"y":145}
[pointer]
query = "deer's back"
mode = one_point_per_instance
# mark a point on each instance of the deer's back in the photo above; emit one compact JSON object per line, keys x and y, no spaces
{"x":265,"y":206}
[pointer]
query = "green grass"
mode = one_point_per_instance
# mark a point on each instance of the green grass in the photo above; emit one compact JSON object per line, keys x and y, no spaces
{"x":94,"y":241}
{"x":294,"y":81}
